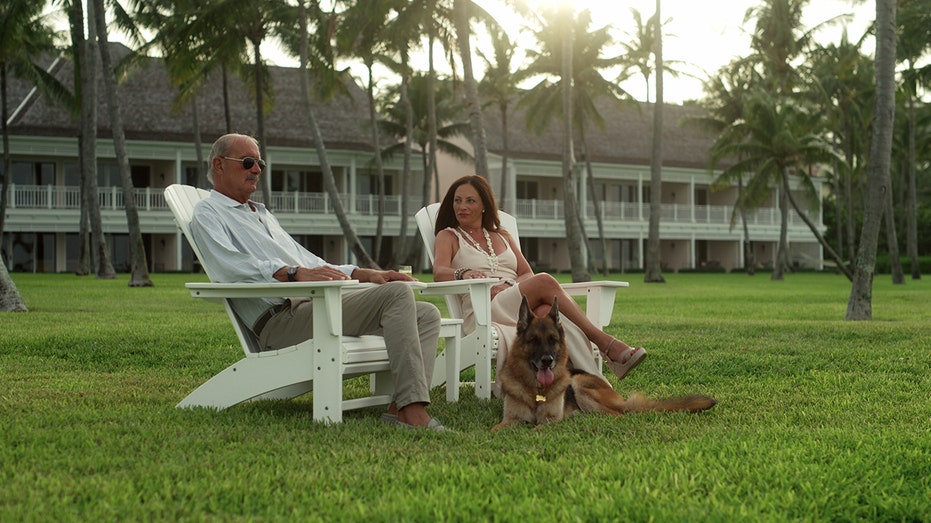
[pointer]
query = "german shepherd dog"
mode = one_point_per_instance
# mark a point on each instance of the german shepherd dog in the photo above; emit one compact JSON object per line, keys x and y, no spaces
{"x":538,"y":387}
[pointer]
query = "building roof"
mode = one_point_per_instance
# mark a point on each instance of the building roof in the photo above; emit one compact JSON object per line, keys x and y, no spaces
{"x":625,"y":139}
{"x":146,"y":100}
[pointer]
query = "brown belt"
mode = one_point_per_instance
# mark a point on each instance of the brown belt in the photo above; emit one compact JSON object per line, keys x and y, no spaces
{"x":267,"y":315}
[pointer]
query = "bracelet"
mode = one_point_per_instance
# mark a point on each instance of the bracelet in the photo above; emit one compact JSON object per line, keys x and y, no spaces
{"x":460,"y":271}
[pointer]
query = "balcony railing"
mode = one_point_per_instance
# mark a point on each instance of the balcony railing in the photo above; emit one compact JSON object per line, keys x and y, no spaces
{"x":56,"y":197}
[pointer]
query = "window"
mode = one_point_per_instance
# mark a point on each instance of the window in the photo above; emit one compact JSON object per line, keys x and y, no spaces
{"x":33,"y":173}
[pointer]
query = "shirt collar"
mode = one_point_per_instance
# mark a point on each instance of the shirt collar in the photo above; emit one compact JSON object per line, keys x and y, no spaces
{"x":226,"y":200}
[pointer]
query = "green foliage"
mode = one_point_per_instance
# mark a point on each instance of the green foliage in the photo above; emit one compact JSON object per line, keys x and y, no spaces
{"x":818,"y":419}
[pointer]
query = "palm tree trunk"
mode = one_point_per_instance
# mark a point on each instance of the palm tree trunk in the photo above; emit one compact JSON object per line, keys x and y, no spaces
{"x":198,"y":143}
{"x":379,"y":165}
{"x":782,"y":250}
{"x":10,"y":299}
{"x":266,"y":179}
{"x":596,"y":205}
{"x":227,"y":110}
{"x":364,"y":260}
{"x":911,"y":211}
{"x":88,"y":80}
{"x":463,"y":33}
{"x":574,"y":236}
{"x":654,"y":271}
{"x":431,"y":175}
{"x":895,"y":262}
{"x":841,"y":265}
{"x":849,"y":206}
{"x":404,"y":240}
{"x":84,"y":248}
{"x":79,"y":48}
{"x":860,"y":304}
{"x":749,"y":257}
{"x":5,"y":165}
{"x":139,"y":271}
{"x":503,"y":193}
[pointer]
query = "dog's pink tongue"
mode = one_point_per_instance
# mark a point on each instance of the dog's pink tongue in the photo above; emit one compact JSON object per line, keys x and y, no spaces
{"x":545,"y":376}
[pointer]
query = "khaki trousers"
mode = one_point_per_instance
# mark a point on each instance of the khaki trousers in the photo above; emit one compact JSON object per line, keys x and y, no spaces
{"x":411,"y":330}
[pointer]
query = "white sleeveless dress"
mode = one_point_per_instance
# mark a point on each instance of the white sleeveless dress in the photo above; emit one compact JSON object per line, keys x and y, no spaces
{"x":505,"y":307}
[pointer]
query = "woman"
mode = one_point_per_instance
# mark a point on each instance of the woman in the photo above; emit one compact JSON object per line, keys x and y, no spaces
{"x":470,"y":243}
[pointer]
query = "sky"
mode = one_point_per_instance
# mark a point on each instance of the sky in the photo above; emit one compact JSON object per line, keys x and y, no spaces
{"x":705,"y":33}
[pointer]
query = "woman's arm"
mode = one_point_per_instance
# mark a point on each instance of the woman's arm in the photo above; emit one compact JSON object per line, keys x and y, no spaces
{"x":444,"y":250}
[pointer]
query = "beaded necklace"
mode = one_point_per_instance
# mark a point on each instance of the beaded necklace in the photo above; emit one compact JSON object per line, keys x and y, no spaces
{"x":492,"y":257}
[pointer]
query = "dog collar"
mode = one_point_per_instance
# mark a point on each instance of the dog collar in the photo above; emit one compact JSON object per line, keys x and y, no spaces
{"x":541,"y":398}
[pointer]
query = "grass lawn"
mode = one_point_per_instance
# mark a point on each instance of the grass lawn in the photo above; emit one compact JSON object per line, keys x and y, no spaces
{"x":818,"y":419}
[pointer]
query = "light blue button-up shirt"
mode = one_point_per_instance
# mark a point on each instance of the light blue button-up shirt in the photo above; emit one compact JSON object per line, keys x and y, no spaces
{"x":242,"y":245}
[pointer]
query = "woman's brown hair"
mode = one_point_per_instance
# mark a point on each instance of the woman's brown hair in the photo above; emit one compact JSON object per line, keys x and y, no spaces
{"x":446,"y":217}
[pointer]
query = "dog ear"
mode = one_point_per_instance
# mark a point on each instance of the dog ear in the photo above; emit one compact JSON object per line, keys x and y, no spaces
{"x":524,"y":316}
{"x":554,"y":310}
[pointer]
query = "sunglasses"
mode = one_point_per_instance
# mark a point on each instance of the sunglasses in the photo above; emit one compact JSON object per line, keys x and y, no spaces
{"x":247,"y":162}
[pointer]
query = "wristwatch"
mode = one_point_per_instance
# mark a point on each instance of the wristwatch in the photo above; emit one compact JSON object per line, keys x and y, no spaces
{"x":292,"y":273}
{"x":510,"y":281}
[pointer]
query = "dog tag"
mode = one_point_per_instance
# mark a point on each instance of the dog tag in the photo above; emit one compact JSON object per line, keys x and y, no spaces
{"x":541,"y":399}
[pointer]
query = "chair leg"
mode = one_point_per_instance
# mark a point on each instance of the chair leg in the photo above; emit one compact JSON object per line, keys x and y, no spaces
{"x":283,"y":376}
{"x":453,"y":358}
{"x":483,"y":370}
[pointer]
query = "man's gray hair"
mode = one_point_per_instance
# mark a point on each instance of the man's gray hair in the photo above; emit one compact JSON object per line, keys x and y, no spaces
{"x":222,"y":147}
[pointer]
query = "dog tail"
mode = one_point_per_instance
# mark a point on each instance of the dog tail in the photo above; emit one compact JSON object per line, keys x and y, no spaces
{"x":691,"y":403}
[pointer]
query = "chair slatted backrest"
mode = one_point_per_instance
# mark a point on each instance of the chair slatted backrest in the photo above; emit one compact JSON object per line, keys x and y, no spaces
{"x":181,"y":199}
{"x":426,"y":221}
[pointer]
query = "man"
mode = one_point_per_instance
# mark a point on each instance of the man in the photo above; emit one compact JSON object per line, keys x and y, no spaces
{"x":242,"y":242}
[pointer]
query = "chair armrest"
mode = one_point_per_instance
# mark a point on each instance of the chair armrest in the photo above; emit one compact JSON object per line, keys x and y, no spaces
{"x":479,"y":290}
{"x":327,"y":319}
{"x":600,"y":296}
{"x":416,"y":284}
{"x":301,"y":289}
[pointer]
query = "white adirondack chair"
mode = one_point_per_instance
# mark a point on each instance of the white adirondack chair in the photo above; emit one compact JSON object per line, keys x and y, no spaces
{"x":319,"y":364}
{"x":479,"y":348}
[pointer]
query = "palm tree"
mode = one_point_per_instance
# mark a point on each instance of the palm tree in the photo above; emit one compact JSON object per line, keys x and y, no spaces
{"x":589,"y":86}
{"x":24,"y":34}
{"x":654,"y":268}
{"x":499,"y":87}
{"x":229,"y":29}
{"x":415,"y":18}
{"x":575,"y":235}
{"x":448,"y":111}
{"x":85,"y":51}
{"x":640,"y":48}
{"x":727,"y":92}
{"x":776,"y":43}
{"x":462,"y":14}
{"x":323,"y":68}
{"x":914,"y":39}
{"x":187,"y":68}
{"x":361,"y":34}
{"x":139,"y":271}
{"x":860,"y":304}
{"x":776,"y":138}
{"x":843,"y":87}
{"x":546,"y":100}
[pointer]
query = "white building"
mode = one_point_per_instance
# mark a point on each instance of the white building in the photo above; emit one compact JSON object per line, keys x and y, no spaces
{"x":43,"y":206}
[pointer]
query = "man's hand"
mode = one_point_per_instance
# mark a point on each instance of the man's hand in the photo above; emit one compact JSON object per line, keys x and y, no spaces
{"x":379,"y":277}
{"x":322,"y":273}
